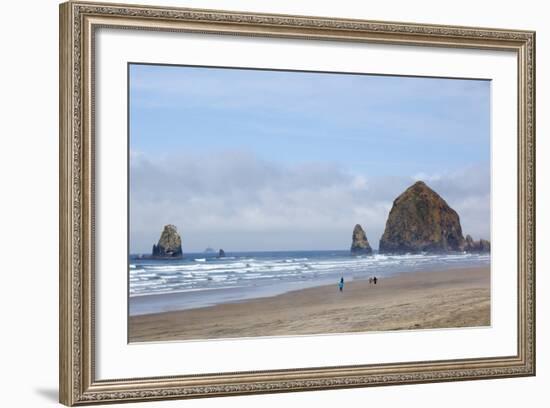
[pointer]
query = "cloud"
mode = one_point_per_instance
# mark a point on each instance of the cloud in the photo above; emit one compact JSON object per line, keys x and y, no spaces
{"x":239,"y":201}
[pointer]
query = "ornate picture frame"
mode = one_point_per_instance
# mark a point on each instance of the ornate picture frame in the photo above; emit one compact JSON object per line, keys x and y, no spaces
{"x":79,"y":22}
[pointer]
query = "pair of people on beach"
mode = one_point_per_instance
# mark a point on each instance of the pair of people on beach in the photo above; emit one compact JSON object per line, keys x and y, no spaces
{"x":341,"y":283}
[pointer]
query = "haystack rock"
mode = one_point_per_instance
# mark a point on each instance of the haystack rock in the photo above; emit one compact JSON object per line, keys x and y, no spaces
{"x":221,"y":253}
{"x":359,"y":242}
{"x":420,"y":220}
{"x":169,"y":245}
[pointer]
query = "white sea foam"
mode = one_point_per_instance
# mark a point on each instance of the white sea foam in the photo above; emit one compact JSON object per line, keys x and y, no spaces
{"x":153,"y":277}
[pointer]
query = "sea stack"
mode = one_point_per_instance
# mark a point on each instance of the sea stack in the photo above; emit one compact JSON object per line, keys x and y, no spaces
{"x":359,"y":242}
{"x":476,"y":246}
{"x":169,"y":245}
{"x":221,"y":253}
{"x":420,"y":220}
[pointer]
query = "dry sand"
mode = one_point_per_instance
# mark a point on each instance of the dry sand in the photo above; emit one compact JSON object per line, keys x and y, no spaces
{"x":419,"y":300}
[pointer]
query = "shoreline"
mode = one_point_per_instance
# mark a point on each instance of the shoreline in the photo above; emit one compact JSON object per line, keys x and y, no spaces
{"x":451,"y":298}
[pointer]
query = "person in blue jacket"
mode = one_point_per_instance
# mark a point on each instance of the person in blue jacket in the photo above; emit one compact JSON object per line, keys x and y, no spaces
{"x":341,"y":284}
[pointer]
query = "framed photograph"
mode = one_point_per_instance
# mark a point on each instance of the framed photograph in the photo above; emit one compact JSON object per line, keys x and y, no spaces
{"x":255,"y":203}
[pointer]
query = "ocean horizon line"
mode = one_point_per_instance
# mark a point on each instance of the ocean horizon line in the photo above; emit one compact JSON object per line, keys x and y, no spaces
{"x":215,"y":250}
{"x":375,"y":251}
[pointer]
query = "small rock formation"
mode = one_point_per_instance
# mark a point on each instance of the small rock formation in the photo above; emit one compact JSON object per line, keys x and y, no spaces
{"x":420,"y":220}
{"x":476,"y":246}
{"x":359,"y":242}
{"x":221,"y":253}
{"x":469,"y":243}
{"x":169,"y":245}
{"x":484,"y":245}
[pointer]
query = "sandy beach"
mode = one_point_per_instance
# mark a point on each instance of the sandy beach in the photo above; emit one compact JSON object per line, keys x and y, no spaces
{"x":419,"y":300}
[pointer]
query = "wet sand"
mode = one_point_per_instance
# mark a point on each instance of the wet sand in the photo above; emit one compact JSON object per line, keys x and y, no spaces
{"x":416,"y":300}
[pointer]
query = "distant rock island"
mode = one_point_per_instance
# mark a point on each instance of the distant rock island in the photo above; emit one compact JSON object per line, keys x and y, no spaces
{"x":221,"y":253}
{"x":359,"y":242}
{"x":421,"y":221}
{"x":169,"y":245}
{"x":209,"y":250}
{"x":476,"y":246}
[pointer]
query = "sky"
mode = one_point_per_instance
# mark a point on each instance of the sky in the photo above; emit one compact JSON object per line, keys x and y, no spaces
{"x":258,"y":160}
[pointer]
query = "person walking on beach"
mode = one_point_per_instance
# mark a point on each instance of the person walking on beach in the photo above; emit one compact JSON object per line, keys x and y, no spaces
{"x":341,"y":284}
{"x":370,"y":280}
{"x":375,"y":280}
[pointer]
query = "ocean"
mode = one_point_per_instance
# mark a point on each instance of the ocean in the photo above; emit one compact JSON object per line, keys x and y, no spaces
{"x":202,"y":279}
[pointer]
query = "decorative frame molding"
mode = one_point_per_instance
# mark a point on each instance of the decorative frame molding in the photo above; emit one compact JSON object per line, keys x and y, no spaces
{"x":78,"y":22}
